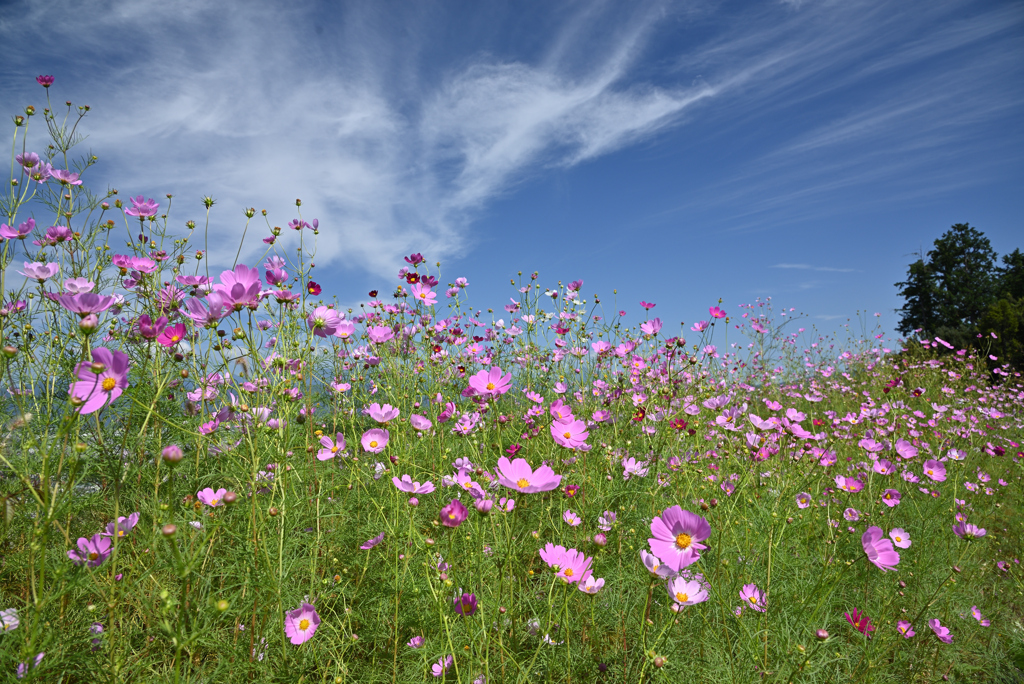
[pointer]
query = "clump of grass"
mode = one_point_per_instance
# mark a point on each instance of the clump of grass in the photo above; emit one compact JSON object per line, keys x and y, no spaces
{"x":217,"y":475}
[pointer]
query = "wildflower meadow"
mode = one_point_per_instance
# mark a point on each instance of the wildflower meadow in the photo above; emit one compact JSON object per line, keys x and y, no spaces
{"x":211,"y":471}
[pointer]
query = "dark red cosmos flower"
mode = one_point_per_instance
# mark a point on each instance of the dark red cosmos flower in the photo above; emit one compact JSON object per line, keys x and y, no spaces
{"x":373,"y":293}
{"x":412,"y":278}
{"x":678,"y":424}
{"x":513,"y":450}
{"x":312,"y":288}
{"x":639,"y":414}
{"x":571,"y":490}
{"x":414,"y":259}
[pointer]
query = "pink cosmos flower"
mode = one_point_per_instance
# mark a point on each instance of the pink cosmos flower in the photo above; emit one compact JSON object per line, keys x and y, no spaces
{"x":900,"y":538}
{"x":240,"y":288}
{"x":442,"y":665}
{"x":677,"y":536}
{"x":905,"y":449}
{"x":212,"y":498}
{"x":20,"y":233}
{"x":172,"y":335}
{"x":415,"y":642}
{"x":66,"y":177}
{"x":966,"y":530}
{"x":407,"y":485}
{"x":518,"y":475}
{"x":423,"y":294}
{"x":941,"y":632}
{"x":891,"y":497}
{"x":454,"y":514}
{"x":977,"y":616}
{"x":571,"y":519}
{"x":654,"y":564}
{"x":206,"y":317}
{"x":40,"y":272}
{"x":121,"y":526}
{"x":860,"y":621}
{"x":149,"y":328}
{"x":91,"y":551}
{"x":300,"y":624}
{"x":9,"y":619}
{"x":370,"y":543}
{"x":142,"y":208}
{"x":99,"y":382}
{"x":379,"y":334}
{"x":570,"y":565}
{"x":590,"y":585}
{"x":751,"y":597}
{"x":879,"y":549}
{"x":803,"y":500}
{"x":904,"y":628}
{"x":884,"y":467}
{"x":491,"y":383}
{"x":329,"y":447}
{"x":716,"y":312}
{"x":569,"y":433}
{"x":851,"y":514}
{"x":849,"y":484}
{"x":686,"y":592}
{"x":383,"y":414}
{"x":651,"y":327}
{"x":375,"y":440}
{"x":419,"y":422}
{"x":323,"y":321}
{"x":935,"y":470}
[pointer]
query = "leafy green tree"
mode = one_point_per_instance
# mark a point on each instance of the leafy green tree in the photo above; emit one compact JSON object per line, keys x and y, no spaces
{"x":918,"y":313}
{"x":963,"y":266}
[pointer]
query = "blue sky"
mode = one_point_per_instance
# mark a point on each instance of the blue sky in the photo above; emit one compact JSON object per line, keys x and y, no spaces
{"x":679,"y":152}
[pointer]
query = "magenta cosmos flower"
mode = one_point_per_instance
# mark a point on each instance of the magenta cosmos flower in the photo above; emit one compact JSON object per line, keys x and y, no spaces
{"x":518,"y":475}
{"x":941,"y":632}
{"x":370,"y":543}
{"x":860,"y":621}
{"x":677,"y":536}
{"x":423,"y":294}
{"x":419,"y":422}
{"x":329,"y":448}
{"x":879,"y":549}
{"x":85,"y":303}
{"x":99,"y":382}
{"x":803,"y":500}
{"x":905,"y":628}
{"x":91,"y":551}
{"x":240,"y":288}
{"x":454,"y":514}
{"x":212,"y":498}
{"x":442,"y":665}
{"x":849,"y":484}
{"x":891,"y":497}
{"x":375,"y":440}
{"x":686,"y":592}
{"x":300,"y":624}
{"x":491,"y":383}
{"x":752,"y":597}
{"x":465,"y":605}
{"x":172,"y":335}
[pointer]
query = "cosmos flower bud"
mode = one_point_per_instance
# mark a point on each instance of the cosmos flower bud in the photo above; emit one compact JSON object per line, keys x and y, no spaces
{"x":600,"y":539}
{"x":169,"y":529}
{"x":172,"y":454}
{"x":230,"y":498}
{"x":821,"y":634}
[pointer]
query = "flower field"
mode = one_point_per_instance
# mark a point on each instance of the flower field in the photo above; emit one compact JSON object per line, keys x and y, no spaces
{"x":215,"y":472}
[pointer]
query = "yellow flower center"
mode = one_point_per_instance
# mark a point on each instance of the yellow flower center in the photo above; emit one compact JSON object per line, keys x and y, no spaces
{"x":567,"y":435}
{"x":120,"y":533}
{"x":753,"y":599}
{"x":522,"y":483}
{"x":682,"y":597}
{"x":898,"y":539}
{"x":213,"y":502}
{"x":93,"y":555}
{"x":108,"y":384}
{"x":467,"y":484}
{"x":373,"y":444}
{"x":568,"y":572}
{"x":334,"y":449}
{"x":490,"y":385}
{"x":451,"y":516}
{"x":174,"y":338}
{"x":683,"y":541}
{"x":303,"y":625}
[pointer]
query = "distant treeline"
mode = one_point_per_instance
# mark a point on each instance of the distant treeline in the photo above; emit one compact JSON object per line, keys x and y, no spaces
{"x":960,"y":293}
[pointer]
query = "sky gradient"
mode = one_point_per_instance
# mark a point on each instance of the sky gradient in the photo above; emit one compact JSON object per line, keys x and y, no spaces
{"x":679,"y":152}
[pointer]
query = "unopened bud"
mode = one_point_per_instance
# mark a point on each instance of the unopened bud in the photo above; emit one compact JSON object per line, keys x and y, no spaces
{"x":230,"y":498}
{"x":222,"y":605}
{"x":600,"y":539}
{"x":97,"y":367}
{"x":821,"y":634}
{"x":273,"y":511}
{"x":169,"y":529}
{"x":10,"y":352}
{"x":172,"y":454}
{"x":659,"y":662}
{"x":89,"y":324}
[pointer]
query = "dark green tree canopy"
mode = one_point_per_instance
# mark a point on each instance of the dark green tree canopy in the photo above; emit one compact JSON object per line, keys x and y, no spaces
{"x":959,"y":293}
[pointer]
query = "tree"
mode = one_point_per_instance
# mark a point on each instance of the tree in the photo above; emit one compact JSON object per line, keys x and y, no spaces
{"x":918,"y":313}
{"x":963,"y":268}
